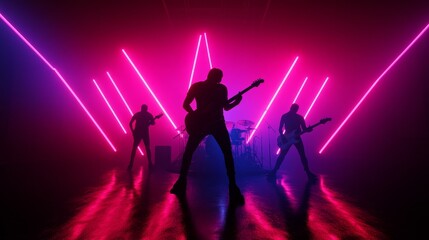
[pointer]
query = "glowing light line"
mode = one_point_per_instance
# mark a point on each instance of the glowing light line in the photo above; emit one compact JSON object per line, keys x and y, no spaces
{"x":60,"y":77}
{"x":300,"y":89}
{"x":372,"y":86}
{"x":150,"y":90}
{"x":317,"y":96}
{"x":272,"y":99}
{"x":125,"y":102}
{"x":120,"y":94}
{"x":208,"y":51}
{"x":195,"y":62}
{"x":110,"y":107}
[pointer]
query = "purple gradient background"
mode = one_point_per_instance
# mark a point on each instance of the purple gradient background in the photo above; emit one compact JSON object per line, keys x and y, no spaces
{"x":382,"y":145}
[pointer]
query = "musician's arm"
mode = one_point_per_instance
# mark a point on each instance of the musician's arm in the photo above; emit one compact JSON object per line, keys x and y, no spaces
{"x":230,"y":105}
{"x":152,"y":120}
{"x":131,"y":122}
{"x":281,"y":125}
{"x":188,"y":100}
{"x":304,"y":126}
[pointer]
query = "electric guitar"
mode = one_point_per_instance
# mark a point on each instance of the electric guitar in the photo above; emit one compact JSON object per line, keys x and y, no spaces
{"x":200,"y":121}
{"x":156,"y":117}
{"x":286,"y":140}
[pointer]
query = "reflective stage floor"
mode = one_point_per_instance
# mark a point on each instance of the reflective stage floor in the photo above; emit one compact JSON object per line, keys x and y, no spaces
{"x":107,"y":202}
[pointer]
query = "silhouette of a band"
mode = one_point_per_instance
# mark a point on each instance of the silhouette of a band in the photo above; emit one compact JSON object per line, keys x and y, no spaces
{"x":206,"y":125}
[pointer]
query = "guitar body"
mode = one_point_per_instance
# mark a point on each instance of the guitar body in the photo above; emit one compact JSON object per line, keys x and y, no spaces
{"x":198,"y":122}
{"x":286,"y":140}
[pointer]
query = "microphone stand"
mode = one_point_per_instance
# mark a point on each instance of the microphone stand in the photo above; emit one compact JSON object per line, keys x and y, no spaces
{"x":269,"y":142}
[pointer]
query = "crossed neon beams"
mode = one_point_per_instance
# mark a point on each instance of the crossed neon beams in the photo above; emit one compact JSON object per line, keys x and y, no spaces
{"x":372,"y":86}
{"x":196,"y":57}
{"x":60,"y":77}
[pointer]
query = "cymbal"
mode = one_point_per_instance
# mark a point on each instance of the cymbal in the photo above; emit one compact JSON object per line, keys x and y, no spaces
{"x":245,"y":122}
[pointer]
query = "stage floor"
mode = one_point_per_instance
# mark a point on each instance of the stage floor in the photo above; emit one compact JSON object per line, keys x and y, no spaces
{"x":68,"y":201}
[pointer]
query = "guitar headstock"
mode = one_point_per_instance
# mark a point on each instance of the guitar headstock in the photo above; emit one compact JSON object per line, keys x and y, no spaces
{"x":257,"y":82}
{"x":159,"y":115}
{"x":325,"y":120}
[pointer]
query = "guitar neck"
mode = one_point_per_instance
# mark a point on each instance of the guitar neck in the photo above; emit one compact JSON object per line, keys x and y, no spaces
{"x":240,"y":93}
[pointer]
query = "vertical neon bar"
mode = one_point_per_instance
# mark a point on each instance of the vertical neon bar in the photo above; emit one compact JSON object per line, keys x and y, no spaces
{"x":300,"y":89}
{"x":195,"y":62}
{"x":317,"y":96}
{"x":208,"y":51}
{"x":372,"y":86}
{"x":61,"y":78}
{"x":150,"y":90}
{"x":110,"y":107}
{"x":272,"y":99}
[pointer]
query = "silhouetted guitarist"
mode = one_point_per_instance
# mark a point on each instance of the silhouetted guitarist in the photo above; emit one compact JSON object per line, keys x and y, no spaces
{"x":293,"y":122}
{"x":140,"y":132}
{"x":211,"y":99}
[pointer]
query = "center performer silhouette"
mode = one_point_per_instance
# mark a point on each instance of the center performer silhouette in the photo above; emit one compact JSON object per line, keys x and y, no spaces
{"x":211,"y":99}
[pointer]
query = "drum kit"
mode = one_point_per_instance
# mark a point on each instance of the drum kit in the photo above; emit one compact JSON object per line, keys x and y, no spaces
{"x":239,"y":134}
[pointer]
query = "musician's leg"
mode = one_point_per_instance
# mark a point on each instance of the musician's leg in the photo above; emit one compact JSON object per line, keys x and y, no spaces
{"x":146,"y":142}
{"x":222,"y":138}
{"x":133,"y":152}
{"x":300,"y":147}
{"x":279,"y":160}
{"x":179,"y":188}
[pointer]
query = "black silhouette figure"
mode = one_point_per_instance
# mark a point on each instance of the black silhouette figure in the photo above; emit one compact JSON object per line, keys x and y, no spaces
{"x":211,"y":99}
{"x":294,"y":124}
{"x":140,"y":132}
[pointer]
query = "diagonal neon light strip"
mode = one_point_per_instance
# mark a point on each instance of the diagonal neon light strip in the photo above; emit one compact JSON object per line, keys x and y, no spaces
{"x":125,"y":102}
{"x":300,"y":89}
{"x":60,"y":77}
{"x":150,"y":90}
{"x":315,"y":99}
{"x":120,"y":94}
{"x":208,"y":51}
{"x":195,"y":62}
{"x":110,"y":107}
{"x":272,"y":99}
{"x":372,"y":86}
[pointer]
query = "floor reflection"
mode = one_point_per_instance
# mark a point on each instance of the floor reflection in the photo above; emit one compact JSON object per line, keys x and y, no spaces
{"x":138,"y":205}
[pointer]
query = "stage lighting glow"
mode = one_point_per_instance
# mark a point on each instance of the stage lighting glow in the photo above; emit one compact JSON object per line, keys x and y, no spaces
{"x":125,"y":102}
{"x":110,"y":107}
{"x":272,"y":99}
{"x":208,"y":51}
{"x":315,"y":99}
{"x":300,"y":89}
{"x":372,"y":86}
{"x":120,"y":94}
{"x":151,"y":92}
{"x":195,"y":62}
{"x":60,"y":77}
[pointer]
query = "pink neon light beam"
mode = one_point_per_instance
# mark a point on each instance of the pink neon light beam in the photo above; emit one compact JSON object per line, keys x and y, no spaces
{"x":195,"y":62}
{"x":317,"y":96}
{"x":208,"y":51}
{"x":272,"y":99}
{"x":120,"y":94}
{"x":300,"y":89}
{"x":150,"y":90}
{"x":60,"y":77}
{"x":372,"y":86}
{"x":125,"y":102}
{"x":110,"y":107}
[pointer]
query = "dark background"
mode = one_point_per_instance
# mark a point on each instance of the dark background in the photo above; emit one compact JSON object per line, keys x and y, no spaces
{"x":379,"y":157}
